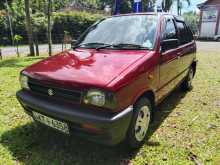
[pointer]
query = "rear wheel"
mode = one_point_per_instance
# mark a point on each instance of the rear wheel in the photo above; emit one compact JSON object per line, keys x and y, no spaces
{"x":187,"y":83}
{"x":139,"y":126}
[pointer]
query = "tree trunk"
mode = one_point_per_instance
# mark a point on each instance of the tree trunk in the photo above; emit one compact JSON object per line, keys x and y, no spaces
{"x":0,"y":54}
{"x":49,"y":27}
{"x":17,"y":50}
{"x":29,"y":28}
{"x":36,"y":45}
{"x":9,"y":21}
{"x":178,"y":7}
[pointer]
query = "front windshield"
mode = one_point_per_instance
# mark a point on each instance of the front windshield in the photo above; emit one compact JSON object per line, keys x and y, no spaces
{"x":133,"y":30}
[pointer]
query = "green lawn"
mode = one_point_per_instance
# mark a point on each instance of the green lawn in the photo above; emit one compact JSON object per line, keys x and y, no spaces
{"x":186,"y":129}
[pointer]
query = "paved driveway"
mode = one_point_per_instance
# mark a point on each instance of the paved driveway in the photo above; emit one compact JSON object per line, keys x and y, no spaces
{"x":24,"y":50}
{"x":208,"y":47}
{"x":203,"y":47}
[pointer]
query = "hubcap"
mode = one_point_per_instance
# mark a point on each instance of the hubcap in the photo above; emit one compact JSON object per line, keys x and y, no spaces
{"x":190,"y":78}
{"x":142,"y":123}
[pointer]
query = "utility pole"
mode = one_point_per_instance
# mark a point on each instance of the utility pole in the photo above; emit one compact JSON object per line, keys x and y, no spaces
{"x":10,"y":22}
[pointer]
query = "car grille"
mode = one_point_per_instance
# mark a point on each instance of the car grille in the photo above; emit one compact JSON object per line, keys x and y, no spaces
{"x":48,"y":90}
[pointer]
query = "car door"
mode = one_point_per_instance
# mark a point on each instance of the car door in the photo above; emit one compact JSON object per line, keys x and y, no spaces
{"x":186,"y":46}
{"x":169,"y":58}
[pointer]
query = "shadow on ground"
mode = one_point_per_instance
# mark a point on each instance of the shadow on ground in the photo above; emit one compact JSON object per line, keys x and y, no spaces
{"x":30,"y":144}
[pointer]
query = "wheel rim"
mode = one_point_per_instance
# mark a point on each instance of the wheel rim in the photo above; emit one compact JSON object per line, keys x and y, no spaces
{"x":190,"y":78}
{"x":142,"y":123}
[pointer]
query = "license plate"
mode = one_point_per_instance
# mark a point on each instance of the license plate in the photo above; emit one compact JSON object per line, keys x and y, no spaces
{"x":53,"y":123}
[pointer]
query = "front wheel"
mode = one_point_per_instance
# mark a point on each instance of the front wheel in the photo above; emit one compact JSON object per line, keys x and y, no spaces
{"x":139,"y":126}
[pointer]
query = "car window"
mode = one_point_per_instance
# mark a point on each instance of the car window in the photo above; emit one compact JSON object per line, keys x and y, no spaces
{"x":169,"y":35}
{"x":170,"y":30}
{"x":185,"y":35}
{"x":134,"y":29}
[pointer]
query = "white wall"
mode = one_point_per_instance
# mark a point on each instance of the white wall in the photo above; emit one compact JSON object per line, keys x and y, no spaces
{"x":208,"y":29}
{"x":209,"y":21}
{"x":219,"y":29}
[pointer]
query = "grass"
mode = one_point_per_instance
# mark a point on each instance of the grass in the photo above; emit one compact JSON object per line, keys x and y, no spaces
{"x":186,"y":129}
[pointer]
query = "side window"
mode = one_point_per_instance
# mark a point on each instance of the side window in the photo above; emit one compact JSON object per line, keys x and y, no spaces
{"x":169,"y":36}
{"x":185,"y":35}
{"x":189,"y":34}
{"x":170,"y":30}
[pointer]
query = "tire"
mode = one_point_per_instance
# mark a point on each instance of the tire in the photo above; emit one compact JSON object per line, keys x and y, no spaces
{"x":139,"y":126}
{"x":187,"y":83}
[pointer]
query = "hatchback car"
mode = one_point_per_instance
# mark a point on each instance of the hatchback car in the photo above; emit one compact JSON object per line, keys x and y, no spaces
{"x":107,"y":86}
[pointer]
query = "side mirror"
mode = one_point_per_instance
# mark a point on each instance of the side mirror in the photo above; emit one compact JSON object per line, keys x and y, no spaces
{"x":169,"y":44}
{"x":73,"y":43}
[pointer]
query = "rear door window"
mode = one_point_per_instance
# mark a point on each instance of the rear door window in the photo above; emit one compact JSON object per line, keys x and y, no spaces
{"x":185,"y":35}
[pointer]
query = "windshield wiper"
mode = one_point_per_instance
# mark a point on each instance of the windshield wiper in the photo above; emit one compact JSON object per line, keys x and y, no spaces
{"x":87,"y":44}
{"x":127,"y":45}
{"x":105,"y":45}
{"x":122,"y":45}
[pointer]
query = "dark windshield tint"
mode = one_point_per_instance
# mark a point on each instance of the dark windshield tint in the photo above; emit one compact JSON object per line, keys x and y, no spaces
{"x":136,"y":29}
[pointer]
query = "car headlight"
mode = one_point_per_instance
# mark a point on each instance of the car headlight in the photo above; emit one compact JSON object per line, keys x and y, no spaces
{"x":100,"y":98}
{"x":95,"y":97}
{"x":24,"y":82}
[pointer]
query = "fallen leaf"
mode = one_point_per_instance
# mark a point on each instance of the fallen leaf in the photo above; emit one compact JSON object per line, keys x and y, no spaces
{"x":211,"y":126}
{"x":194,"y":158}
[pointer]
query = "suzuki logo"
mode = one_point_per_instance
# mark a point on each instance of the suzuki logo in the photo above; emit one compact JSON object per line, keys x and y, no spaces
{"x":50,"y":92}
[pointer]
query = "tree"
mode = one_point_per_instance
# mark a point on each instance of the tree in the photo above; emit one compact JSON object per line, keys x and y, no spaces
{"x":168,"y":3}
{"x":9,"y":21}
{"x":17,"y":39}
{"x":49,"y":27}
{"x":192,"y":20}
{"x":29,"y":27}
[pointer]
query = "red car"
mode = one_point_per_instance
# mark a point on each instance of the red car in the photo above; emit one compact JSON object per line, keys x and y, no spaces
{"x":106,"y":87}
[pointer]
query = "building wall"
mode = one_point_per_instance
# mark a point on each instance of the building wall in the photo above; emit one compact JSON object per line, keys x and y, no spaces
{"x":218,"y":30}
{"x":209,"y":21}
{"x":212,"y":2}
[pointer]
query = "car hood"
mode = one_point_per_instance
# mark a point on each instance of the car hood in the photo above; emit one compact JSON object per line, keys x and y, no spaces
{"x":90,"y":67}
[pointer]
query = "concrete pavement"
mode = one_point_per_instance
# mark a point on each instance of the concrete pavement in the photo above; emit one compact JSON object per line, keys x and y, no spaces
{"x":203,"y":47}
{"x":24,"y":50}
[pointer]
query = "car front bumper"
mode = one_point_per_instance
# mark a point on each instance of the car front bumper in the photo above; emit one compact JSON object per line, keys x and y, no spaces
{"x":113,"y":127}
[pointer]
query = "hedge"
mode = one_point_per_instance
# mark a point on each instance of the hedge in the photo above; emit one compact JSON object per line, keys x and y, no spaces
{"x":73,"y":22}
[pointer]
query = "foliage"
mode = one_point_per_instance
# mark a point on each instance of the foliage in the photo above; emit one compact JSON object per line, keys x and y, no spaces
{"x":73,"y":22}
{"x":192,"y":19}
{"x":186,"y":127}
{"x":169,"y":3}
{"x":17,"y":38}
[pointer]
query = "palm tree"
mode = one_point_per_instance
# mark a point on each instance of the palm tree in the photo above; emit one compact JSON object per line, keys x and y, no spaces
{"x":29,"y":27}
{"x":49,"y":27}
{"x":168,"y":3}
{"x":9,"y":21}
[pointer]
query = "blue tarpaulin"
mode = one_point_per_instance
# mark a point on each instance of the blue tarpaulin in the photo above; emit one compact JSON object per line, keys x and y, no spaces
{"x":117,"y":7}
{"x":137,"y":6}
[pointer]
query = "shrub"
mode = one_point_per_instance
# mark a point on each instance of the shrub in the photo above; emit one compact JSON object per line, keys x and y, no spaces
{"x":73,"y":22}
{"x":191,"y":20}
